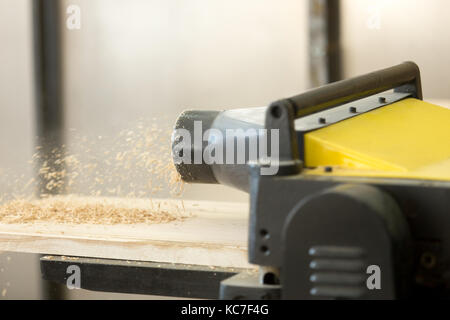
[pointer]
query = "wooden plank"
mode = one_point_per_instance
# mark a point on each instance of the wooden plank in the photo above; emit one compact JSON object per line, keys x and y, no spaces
{"x":210,"y":233}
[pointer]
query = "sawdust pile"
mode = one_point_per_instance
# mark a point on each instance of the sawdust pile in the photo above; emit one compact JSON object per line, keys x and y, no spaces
{"x":89,"y":210}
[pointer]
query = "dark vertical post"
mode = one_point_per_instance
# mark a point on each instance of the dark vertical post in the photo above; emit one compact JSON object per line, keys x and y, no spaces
{"x":49,"y":111}
{"x":334,"y":40}
{"x":324,"y":42}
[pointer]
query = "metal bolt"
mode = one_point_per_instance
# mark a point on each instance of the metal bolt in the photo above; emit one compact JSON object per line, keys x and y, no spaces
{"x":382,"y":99}
{"x":276,"y":112}
{"x":353,"y":110}
{"x":428,"y":260}
{"x":322,"y":120}
{"x":264,"y":234}
{"x":328,"y":169}
{"x":265,"y":250}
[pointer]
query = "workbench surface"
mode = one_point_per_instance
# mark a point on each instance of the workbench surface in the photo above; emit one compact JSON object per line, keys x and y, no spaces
{"x":210,"y":233}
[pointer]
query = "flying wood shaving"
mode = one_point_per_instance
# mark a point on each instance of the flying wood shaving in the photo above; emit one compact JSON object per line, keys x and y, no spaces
{"x":133,"y":163}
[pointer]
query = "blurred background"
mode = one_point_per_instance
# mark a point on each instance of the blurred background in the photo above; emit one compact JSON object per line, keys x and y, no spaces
{"x":151,"y":59}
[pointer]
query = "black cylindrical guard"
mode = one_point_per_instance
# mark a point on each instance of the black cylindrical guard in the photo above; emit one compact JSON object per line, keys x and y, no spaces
{"x":195,"y":131}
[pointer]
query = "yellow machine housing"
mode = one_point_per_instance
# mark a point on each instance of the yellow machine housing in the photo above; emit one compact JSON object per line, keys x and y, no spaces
{"x":409,"y":139}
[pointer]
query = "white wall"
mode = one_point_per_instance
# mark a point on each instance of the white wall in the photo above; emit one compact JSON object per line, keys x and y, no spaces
{"x":19,"y":273}
{"x":377,"y":34}
{"x":16,"y":91}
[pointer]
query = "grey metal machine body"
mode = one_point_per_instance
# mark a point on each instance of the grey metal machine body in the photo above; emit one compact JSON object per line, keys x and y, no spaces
{"x":324,"y":234}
